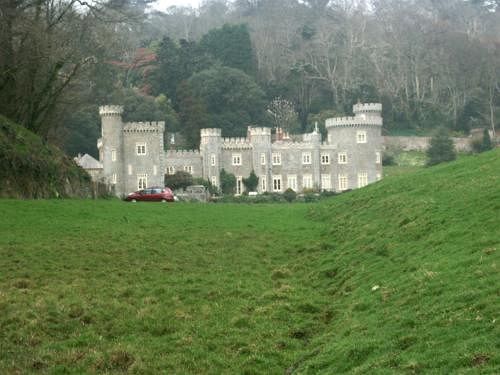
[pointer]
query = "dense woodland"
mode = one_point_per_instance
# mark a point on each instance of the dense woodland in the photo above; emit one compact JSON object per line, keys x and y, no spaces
{"x":229,"y":64}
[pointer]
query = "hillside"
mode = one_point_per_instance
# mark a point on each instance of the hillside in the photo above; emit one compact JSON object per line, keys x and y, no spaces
{"x":30,"y":168}
{"x":412,"y":273}
{"x":400,"y":276}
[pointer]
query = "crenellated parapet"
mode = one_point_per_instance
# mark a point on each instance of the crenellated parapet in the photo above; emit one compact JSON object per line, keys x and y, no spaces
{"x":236,"y":143}
{"x":210,"y":132}
{"x":110,"y":110}
{"x":353,"y":121}
{"x":182,"y":153}
{"x":367,"y":107}
{"x":285,"y":145}
{"x":259,"y":131}
{"x":144,"y":127}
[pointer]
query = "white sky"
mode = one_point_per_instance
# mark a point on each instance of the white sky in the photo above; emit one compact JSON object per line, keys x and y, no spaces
{"x":164,"y":4}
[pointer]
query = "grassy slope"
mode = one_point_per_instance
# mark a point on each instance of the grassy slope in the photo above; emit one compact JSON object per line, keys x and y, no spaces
{"x":413,"y":272}
{"x":107,"y":286}
{"x":30,"y":168}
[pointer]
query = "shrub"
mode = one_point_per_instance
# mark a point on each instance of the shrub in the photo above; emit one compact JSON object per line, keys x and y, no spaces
{"x":290,"y":195}
{"x":251,"y":182}
{"x":179,"y":180}
{"x":388,"y":158}
{"x":441,"y":148}
{"x":227,"y":182}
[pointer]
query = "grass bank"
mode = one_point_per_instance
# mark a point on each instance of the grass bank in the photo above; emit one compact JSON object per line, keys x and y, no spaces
{"x":399,"y":276}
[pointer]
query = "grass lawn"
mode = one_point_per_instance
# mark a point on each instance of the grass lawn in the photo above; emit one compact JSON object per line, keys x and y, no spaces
{"x":401,"y":276}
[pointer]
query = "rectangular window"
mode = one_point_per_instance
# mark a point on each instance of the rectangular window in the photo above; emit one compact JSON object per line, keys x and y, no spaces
{"x":378,"y":159}
{"x":342,"y":157}
{"x":113,"y":178}
{"x":362,"y":179}
{"x":262,"y":159}
{"x":129,"y":169}
{"x":213,"y":160}
{"x":277,"y":158}
{"x":291,"y":181}
{"x":170,"y":169}
{"x":263,"y":183}
{"x":140,"y":148}
{"x":361,"y":136}
{"x":113,"y":155}
{"x":343,"y":182}
{"x":239,"y":185}
{"x":155,"y":170}
{"x":306,"y":158}
{"x":325,"y":159}
{"x":142,"y":181}
{"x":236,"y":159}
{"x":188,"y":169}
{"x":307,"y":181}
{"x":277,"y":183}
{"x":213,"y":180}
{"x":326,"y":182}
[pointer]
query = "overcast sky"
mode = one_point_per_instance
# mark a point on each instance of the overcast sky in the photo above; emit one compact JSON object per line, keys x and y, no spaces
{"x":164,"y":4}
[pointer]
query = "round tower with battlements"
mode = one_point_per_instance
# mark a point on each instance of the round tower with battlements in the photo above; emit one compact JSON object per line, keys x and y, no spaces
{"x":111,"y":144}
{"x":210,"y":149}
{"x":358,"y":142}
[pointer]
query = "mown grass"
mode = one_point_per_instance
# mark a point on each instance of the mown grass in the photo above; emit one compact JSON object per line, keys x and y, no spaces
{"x":401,"y":276}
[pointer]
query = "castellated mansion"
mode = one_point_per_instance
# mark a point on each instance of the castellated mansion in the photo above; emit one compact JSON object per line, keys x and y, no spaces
{"x":132,"y":155}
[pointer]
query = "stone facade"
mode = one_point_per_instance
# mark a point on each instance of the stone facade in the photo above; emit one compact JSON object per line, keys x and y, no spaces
{"x":133,"y":155}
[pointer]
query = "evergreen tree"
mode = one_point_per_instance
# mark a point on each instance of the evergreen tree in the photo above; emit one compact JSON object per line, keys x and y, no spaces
{"x":251,"y":182}
{"x":486,"y":143}
{"x":231,"y":46}
{"x":227,"y":182}
{"x":232,"y":97}
{"x":193,"y":115}
{"x":441,"y":148}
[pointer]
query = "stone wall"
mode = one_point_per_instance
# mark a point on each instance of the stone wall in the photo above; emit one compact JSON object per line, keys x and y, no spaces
{"x":422,"y":143}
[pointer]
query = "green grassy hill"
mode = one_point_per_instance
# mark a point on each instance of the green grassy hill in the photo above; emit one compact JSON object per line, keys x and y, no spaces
{"x":30,"y":168}
{"x":401,"y":276}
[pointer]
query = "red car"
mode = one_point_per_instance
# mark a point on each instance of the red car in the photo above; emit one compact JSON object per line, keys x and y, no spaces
{"x":152,"y":194}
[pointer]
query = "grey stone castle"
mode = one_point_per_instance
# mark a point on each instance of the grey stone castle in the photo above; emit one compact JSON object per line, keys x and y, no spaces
{"x":132,"y":155}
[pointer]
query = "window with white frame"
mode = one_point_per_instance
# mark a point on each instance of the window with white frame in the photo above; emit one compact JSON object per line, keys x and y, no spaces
{"x":307,"y":181}
{"x":142,"y":181}
{"x":188,"y":169}
{"x":277,"y":183}
{"x":262,"y":158}
{"x":155,"y":170}
{"x":170,"y":169}
{"x":113,"y":178}
{"x":291,"y":181}
{"x":362,"y":179}
{"x":113,"y":155}
{"x":213,"y":180}
{"x":378,"y":158}
{"x":325,"y":158}
{"x":277,"y":158}
{"x":140,"y":148}
{"x":306,"y":158}
{"x":326,"y":182}
{"x":129,"y":167}
{"x":342,"y":157}
{"x":343,"y":182}
{"x":361,"y":136}
{"x":239,"y":185}
{"x":263,"y":183}
{"x":236,"y":159}
{"x":213,"y":160}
